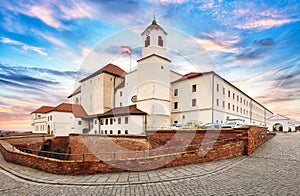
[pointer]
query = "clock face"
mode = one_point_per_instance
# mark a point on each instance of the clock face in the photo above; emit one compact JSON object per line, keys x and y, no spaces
{"x":148,"y":32}
{"x":134,"y":98}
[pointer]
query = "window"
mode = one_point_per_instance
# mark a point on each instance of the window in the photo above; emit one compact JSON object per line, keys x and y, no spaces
{"x":160,"y":41}
{"x":175,"y":92}
{"x":119,"y":120}
{"x":119,"y":131}
{"x":121,"y":104}
{"x":147,"y":41}
{"x":161,"y":67}
{"x":241,"y":110}
{"x":105,"y":131}
{"x":95,"y":131}
{"x":228,"y":93}
{"x":126,"y":120}
{"x":233,"y":107}
{"x":121,"y":93}
{"x":50,"y":118}
{"x":110,"y":132}
{"x":217,"y":87}
{"x":101,"y":121}
{"x":95,"y":122}
{"x":126,"y":131}
{"x":237,"y":108}
{"x":233,"y":96}
{"x":228,"y":106}
{"x":223,"y":91}
{"x":106,"y":121}
{"x":194,"y":88}
{"x":194,"y":102}
{"x":175,"y":105}
{"x":223,"y":104}
{"x":111,"y":121}
{"x":101,"y":131}
{"x":79,"y":122}
{"x":217,"y":102}
{"x":241,"y":100}
{"x":237,"y":98}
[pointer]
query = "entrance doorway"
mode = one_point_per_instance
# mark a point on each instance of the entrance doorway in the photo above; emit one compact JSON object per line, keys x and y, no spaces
{"x":277,"y":127}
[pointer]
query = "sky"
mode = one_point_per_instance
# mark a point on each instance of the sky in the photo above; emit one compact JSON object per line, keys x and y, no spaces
{"x":47,"y":46}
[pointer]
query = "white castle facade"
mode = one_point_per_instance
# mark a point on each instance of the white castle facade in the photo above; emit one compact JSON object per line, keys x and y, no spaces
{"x":112,"y":101}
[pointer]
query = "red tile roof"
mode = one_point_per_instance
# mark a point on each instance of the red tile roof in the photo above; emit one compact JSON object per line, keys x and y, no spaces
{"x":121,"y":85}
{"x":43,"y":109}
{"x":78,"y":90}
{"x":120,"y":111}
{"x":190,"y":75}
{"x":77,"y":110}
{"x":154,"y":25}
{"x":110,"y":69}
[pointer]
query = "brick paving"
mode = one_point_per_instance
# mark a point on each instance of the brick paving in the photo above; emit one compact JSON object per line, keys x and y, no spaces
{"x":273,"y":169}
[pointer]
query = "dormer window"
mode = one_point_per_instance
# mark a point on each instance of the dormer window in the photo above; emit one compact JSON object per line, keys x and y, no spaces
{"x":160,"y":41}
{"x":147,"y":41}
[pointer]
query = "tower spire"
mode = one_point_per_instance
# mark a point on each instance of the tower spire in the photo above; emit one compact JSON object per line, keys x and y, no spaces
{"x":154,"y":20}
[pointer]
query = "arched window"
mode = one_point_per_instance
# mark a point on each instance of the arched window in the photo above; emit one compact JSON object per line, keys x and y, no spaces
{"x":147,"y":41}
{"x":119,"y":131}
{"x":160,"y":41}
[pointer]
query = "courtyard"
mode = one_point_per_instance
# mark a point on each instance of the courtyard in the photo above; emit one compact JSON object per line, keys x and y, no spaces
{"x":273,"y":169}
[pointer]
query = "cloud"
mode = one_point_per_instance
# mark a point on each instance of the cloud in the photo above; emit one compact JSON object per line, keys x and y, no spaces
{"x":25,"y":47}
{"x":52,"y":39}
{"x":263,"y":23}
{"x":168,"y":1}
{"x":252,"y":55}
{"x":53,"y":13}
{"x":265,"y":42}
{"x":218,"y":42}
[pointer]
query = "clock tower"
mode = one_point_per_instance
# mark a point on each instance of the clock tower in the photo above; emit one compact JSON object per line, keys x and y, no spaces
{"x":153,"y":73}
{"x":154,"y":40}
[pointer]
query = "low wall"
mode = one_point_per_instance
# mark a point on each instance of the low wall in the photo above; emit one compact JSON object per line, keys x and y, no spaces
{"x":91,"y":144}
{"x":155,"y":149}
{"x":31,"y":141}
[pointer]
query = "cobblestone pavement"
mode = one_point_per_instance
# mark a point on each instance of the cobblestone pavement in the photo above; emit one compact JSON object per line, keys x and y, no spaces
{"x":273,"y":169}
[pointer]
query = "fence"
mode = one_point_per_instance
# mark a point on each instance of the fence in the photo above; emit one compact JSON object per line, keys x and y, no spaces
{"x":124,"y":155}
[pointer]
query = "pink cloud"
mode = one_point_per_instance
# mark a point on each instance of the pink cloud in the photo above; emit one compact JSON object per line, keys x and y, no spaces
{"x":263,"y":23}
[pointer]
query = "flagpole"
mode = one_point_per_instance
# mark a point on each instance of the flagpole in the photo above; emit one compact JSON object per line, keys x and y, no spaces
{"x":130,"y":63}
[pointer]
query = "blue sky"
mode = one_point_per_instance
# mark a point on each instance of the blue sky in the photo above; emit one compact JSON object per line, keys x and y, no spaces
{"x":44,"y":45}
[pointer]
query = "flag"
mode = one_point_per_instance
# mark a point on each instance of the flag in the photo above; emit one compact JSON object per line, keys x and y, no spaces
{"x":126,"y":50}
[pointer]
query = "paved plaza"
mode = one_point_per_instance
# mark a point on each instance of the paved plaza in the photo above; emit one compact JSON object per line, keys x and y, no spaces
{"x":273,"y":169}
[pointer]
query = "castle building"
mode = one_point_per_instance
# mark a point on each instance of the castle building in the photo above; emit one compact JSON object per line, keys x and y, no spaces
{"x":112,"y":101}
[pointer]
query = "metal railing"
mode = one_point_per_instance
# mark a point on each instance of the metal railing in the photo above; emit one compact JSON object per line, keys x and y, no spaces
{"x":124,"y":155}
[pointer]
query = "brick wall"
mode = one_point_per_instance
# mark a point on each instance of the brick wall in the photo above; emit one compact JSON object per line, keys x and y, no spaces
{"x":206,"y":145}
{"x":31,"y":141}
{"x":91,"y":144}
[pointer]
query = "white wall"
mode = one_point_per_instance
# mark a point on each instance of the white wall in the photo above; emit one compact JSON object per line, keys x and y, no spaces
{"x":129,"y":90}
{"x":202,"y":110}
{"x":135,"y":125}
